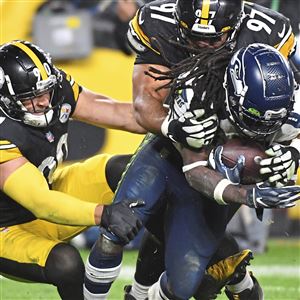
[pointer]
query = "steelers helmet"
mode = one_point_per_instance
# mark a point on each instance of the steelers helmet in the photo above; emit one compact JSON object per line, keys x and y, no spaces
{"x":259,"y":86}
{"x":208,"y":19}
{"x":26,"y":72}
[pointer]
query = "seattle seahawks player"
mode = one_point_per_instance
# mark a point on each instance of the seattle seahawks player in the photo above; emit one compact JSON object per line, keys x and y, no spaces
{"x":43,"y":207}
{"x":163,"y":34}
{"x":261,"y":76}
{"x":249,"y":75}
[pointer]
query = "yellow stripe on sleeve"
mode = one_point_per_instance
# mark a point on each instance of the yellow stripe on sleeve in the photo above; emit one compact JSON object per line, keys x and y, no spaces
{"x":68,"y":77}
{"x":8,"y":151}
{"x":75,"y":88}
{"x":33,"y":193}
{"x":74,"y":85}
{"x":205,"y":12}
{"x":33,"y":57}
{"x":139,"y":32}
{"x":287,"y":47}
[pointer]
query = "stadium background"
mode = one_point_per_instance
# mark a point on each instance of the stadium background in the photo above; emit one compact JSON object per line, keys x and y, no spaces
{"x":104,"y":69}
{"x":108,"y":71}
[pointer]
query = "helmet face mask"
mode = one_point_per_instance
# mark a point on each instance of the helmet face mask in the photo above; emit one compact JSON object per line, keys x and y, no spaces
{"x":26,"y":73}
{"x":259,"y":88}
{"x":208,"y":20}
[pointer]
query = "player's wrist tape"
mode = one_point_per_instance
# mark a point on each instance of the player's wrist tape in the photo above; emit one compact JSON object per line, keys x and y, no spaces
{"x":193,"y":165}
{"x":219,"y":190}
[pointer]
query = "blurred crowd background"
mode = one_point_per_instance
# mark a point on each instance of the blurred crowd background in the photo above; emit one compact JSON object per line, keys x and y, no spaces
{"x":87,"y":38}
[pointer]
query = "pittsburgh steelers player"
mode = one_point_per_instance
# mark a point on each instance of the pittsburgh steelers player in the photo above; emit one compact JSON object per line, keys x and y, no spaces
{"x":41,"y":207}
{"x":165,"y":33}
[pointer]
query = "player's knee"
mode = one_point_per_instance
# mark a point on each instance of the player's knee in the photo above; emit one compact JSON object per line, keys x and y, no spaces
{"x":168,"y":289}
{"x":184,"y":287}
{"x":64,"y":265}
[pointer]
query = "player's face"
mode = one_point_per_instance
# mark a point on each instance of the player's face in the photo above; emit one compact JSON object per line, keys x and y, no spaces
{"x":38,"y":104}
{"x":213,"y":43}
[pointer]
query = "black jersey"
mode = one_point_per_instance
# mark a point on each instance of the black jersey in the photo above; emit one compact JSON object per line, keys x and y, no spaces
{"x":43,"y":147}
{"x":154,"y":25}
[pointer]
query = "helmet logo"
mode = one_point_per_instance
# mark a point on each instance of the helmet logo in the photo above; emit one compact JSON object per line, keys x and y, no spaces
{"x":2,"y":78}
{"x":254,"y":111}
{"x":203,"y":22}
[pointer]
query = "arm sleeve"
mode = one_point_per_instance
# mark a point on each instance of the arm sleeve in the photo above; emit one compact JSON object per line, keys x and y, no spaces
{"x":29,"y":188}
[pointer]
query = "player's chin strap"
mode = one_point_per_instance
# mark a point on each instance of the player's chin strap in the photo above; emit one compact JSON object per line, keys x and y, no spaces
{"x":193,"y":165}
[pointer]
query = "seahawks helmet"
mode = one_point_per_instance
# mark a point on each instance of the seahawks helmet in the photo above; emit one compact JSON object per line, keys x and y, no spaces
{"x":259,"y":86}
{"x":26,"y":72}
{"x":208,"y":19}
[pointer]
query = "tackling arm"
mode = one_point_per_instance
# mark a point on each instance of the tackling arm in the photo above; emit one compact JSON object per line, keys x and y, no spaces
{"x":103,"y":111}
{"x":24,"y":183}
{"x":214,"y":186}
{"x":148,"y":102}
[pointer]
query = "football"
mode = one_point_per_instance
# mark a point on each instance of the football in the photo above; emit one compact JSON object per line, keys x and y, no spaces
{"x":253,"y":152}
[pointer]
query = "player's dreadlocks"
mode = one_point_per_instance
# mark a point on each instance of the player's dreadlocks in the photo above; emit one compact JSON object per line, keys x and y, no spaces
{"x":203,"y":71}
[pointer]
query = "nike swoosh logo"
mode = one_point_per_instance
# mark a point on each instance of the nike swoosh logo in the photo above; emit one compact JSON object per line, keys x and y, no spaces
{"x":281,"y":34}
{"x":141,"y":21}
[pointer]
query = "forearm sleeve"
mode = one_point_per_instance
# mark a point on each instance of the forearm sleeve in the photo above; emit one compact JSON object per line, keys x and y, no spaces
{"x":29,"y":188}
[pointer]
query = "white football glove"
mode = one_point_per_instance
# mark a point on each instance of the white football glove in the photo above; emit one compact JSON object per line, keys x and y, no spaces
{"x":281,"y":166}
{"x":188,"y":130}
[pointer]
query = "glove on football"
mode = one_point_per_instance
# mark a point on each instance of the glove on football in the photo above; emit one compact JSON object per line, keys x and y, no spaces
{"x":264,"y":196}
{"x":282,"y":165}
{"x":233,"y":174}
{"x":120,"y":219}
{"x":188,"y":130}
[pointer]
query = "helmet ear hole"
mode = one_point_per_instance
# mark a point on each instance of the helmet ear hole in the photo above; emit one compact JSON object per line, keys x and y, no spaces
{"x":26,"y":72}
{"x":260,"y":90}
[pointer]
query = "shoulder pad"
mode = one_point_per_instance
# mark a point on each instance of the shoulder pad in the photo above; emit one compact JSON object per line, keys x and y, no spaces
{"x":76,"y":88}
{"x":137,"y":39}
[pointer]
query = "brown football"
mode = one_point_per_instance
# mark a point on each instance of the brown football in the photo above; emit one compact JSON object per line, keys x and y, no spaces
{"x":252,"y":151}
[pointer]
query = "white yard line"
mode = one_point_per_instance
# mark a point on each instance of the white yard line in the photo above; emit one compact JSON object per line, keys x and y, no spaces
{"x":268,"y":271}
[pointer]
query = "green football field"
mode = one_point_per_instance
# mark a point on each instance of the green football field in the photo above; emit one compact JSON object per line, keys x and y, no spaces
{"x":278,"y":271}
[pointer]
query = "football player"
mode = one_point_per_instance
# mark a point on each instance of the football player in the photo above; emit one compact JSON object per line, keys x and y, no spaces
{"x":164,"y":33}
{"x":43,"y":207}
{"x":248,"y":76}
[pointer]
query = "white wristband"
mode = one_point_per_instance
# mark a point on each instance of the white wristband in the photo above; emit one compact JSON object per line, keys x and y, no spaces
{"x":194,"y":165}
{"x":219,"y":190}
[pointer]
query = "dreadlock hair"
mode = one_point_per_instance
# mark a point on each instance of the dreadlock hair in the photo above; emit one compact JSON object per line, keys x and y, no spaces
{"x":203,"y":71}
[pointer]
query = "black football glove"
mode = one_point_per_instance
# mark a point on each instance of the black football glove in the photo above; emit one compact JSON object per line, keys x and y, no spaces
{"x":264,"y":196}
{"x":233,"y":174}
{"x":188,"y":130}
{"x":120,"y":219}
{"x":282,"y":165}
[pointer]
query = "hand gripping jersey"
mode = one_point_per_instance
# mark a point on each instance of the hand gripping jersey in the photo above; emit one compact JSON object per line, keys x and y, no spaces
{"x":154,"y":25}
{"x":43,"y":147}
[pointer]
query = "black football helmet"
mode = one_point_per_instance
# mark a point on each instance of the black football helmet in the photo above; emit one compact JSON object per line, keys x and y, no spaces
{"x":26,"y":72}
{"x":208,"y":19}
{"x":259,"y":87}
